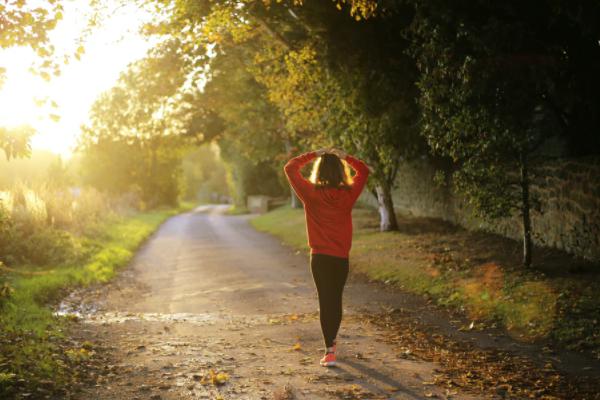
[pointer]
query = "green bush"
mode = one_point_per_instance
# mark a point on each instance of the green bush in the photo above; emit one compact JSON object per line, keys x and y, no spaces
{"x":49,"y":247}
{"x":47,"y":226}
{"x":32,"y":346}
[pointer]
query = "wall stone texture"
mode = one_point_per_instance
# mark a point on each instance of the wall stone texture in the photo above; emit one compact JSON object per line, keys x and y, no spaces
{"x":568,"y":190}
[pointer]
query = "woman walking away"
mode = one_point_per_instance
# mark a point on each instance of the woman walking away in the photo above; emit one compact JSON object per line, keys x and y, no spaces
{"x":328,"y":199}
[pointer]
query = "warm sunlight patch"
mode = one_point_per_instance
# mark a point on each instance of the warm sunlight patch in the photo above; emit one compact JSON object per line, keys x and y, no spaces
{"x":56,"y":108}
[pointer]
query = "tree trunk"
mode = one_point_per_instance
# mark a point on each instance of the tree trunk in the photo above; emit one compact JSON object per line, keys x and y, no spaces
{"x":295,"y":201}
{"x":525,"y":208}
{"x":387,"y":215}
{"x":152,"y":197}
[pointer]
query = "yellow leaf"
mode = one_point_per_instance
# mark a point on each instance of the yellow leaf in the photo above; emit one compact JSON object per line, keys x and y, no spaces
{"x":297,"y":347}
{"x":218,"y":378}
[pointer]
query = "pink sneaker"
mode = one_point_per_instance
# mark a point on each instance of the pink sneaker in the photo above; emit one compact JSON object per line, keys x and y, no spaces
{"x":328,"y":359}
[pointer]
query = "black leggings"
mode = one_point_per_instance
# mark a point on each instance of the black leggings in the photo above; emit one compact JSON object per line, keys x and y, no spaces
{"x":330,"y":274}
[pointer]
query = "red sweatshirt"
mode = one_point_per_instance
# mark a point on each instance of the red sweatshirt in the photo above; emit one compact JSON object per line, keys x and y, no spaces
{"x":328,"y":210}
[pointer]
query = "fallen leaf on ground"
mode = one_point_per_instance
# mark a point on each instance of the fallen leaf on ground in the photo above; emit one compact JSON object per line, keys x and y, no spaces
{"x":215,"y":378}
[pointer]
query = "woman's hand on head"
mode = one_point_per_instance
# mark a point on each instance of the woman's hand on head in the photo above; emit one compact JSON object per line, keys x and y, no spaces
{"x":340,"y":153}
{"x":322,"y":151}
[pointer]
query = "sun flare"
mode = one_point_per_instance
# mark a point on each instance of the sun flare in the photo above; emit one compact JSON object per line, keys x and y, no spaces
{"x":57,"y":108}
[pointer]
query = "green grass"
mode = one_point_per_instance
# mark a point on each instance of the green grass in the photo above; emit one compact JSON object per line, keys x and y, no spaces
{"x":237,"y":210}
{"x":285,"y":223}
{"x":31,"y":335}
{"x":474,"y":272}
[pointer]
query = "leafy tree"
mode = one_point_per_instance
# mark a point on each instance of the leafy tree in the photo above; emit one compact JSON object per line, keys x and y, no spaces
{"x":22,"y":25}
{"x":28,"y":24}
{"x":252,"y":135}
{"x":204,"y":175}
{"x":137,"y":124}
{"x":233,"y":109}
{"x":25,"y":25}
{"x":159,"y":104}
{"x":58,"y":174}
{"x":248,"y":176}
{"x":15,"y":141}
{"x":493,"y":81}
{"x":334,"y":80}
{"x":31,"y":170}
{"x":496,"y":81}
{"x":346,"y":84}
{"x":111,"y":165}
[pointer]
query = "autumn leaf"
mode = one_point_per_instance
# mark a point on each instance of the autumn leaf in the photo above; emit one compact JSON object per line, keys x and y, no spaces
{"x":215,"y":378}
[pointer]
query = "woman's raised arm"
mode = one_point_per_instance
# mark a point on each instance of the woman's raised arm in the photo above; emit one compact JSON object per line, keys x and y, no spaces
{"x":362,"y":173}
{"x":292,"y":171}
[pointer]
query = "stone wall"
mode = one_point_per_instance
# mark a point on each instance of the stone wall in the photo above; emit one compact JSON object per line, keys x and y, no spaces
{"x":569,"y":190}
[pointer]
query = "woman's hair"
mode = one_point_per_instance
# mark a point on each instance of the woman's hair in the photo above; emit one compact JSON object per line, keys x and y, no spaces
{"x":330,"y":172}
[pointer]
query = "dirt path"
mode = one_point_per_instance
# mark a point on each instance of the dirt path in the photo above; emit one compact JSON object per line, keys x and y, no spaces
{"x":210,"y":309}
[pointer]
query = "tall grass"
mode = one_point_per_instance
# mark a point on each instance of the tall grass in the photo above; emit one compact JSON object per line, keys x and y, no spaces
{"x":40,"y":225}
{"x":52,"y":240}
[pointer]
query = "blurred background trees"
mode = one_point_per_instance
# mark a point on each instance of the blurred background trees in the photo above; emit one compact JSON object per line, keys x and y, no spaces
{"x":484,"y":85}
{"x":487,"y":87}
{"x":499,"y":81}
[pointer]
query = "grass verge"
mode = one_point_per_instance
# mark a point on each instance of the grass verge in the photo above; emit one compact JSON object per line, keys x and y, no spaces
{"x":237,"y":210}
{"x":474,"y":272}
{"x":34,"y":352}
